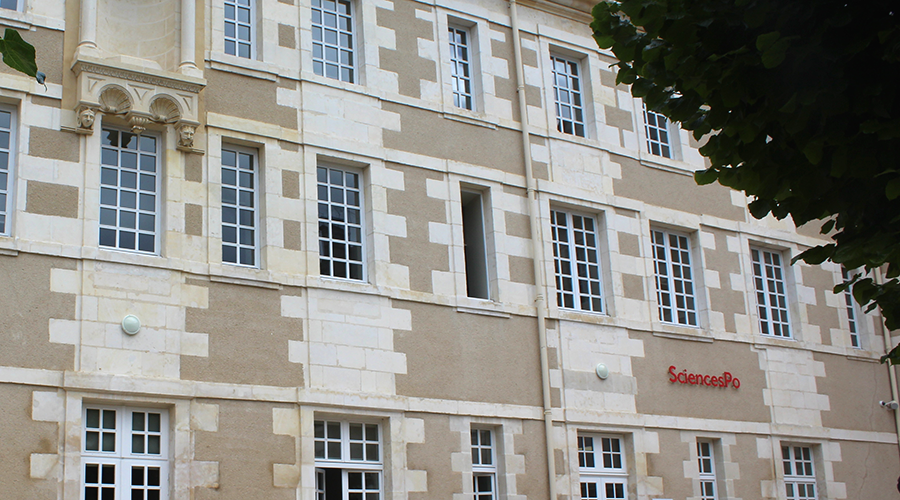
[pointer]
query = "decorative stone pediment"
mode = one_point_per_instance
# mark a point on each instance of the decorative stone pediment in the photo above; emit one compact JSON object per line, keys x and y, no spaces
{"x":138,"y":94}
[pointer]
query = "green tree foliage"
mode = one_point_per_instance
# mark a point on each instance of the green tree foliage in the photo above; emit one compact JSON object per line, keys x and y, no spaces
{"x":799,"y":105}
{"x":19,"y":54}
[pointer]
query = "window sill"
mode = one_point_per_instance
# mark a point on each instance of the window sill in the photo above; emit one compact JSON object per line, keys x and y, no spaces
{"x":26,"y":20}
{"x":239,"y":275}
{"x":469,"y":117}
{"x":242,"y":66}
{"x":356,"y":88}
{"x":584,"y":317}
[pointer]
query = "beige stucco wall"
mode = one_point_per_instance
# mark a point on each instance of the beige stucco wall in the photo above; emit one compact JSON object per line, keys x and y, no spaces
{"x":455,"y":355}
{"x":20,"y":436}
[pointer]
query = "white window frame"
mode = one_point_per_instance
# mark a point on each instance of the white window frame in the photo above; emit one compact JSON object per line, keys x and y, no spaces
{"x":706,"y":465}
{"x":249,"y":25}
{"x":597,"y":474}
{"x":477,"y":242}
{"x":854,"y":322}
{"x":107,"y":209}
{"x":348,"y":226}
{"x":367,"y":468}
{"x":241,"y":243}
{"x":567,"y":267}
{"x":676,"y":288}
{"x":484,"y":463}
{"x":658,"y":136}
{"x":568,"y":95}
{"x":799,"y":472}
{"x":462,"y":83}
{"x":7,"y":172}
{"x":770,"y":285}
{"x":123,"y":458}
{"x":346,"y":72}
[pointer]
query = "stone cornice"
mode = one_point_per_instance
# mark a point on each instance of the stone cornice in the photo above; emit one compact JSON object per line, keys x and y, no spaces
{"x":140,"y":75}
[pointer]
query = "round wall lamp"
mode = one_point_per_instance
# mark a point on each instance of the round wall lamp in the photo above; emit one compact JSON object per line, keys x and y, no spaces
{"x":602,"y":371}
{"x":131,"y":324}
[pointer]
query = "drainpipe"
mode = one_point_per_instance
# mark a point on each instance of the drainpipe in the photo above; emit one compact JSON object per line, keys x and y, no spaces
{"x":537,"y":252}
{"x":892,"y":372}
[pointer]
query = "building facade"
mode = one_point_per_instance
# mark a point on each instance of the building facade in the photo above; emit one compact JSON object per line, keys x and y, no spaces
{"x":398,"y":249}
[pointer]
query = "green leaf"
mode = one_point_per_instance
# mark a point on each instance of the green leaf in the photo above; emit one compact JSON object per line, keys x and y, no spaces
{"x":892,"y":190}
{"x":774,"y":55}
{"x":827,"y":227}
{"x":893,"y":356}
{"x":708,"y":176}
{"x":18,"y":54}
{"x":766,"y":40}
{"x":759,"y":208}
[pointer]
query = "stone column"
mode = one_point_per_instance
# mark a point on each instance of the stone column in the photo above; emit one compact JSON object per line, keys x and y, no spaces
{"x":188,"y":64}
{"x":87,"y":43}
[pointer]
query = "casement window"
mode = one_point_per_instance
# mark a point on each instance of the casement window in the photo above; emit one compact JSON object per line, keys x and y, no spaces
{"x":333,"y":39}
{"x":674,"y":278}
{"x":852,"y":313}
{"x":576,"y":261}
{"x":707,"y":465}
{"x":461,"y":67}
{"x":340,"y":223}
{"x":125,"y":453}
{"x":484,"y":465}
{"x":240,"y":22}
{"x":7,"y":164}
{"x":129,"y":189}
{"x":349,"y":464}
{"x":656,"y":127}
{"x":474,"y":241}
{"x":568,"y":97}
{"x":602,"y":468}
{"x":771,"y":296}
{"x":240,"y":202}
{"x":799,"y":473}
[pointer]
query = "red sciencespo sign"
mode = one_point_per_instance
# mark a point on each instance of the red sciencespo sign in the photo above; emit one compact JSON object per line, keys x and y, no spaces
{"x":721,"y":381}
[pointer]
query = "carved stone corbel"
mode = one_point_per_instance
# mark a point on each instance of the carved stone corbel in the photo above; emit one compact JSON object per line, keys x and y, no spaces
{"x":186,"y":131}
{"x":138,"y":123}
{"x":84,"y":118}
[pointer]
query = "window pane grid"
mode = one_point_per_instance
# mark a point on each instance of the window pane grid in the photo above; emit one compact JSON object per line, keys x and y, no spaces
{"x":124,"y":454}
{"x":576,"y":262}
{"x":706,"y":465}
{"x":656,"y":126}
{"x":460,"y":68}
{"x":567,"y":94}
{"x":603,"y":474}
{"x":239,"y":208}
{"x":6,"y":156}
{"x":771,"y":297}
{"x":348,"y":460}
{"x":674,"y":278}
{"x":340,"y":224}
{"x":128,"y":191}
{"x":239,"y":20}
{"x":799,"y":473}
{"x":851,"y":313}
{"x":332,"y":30}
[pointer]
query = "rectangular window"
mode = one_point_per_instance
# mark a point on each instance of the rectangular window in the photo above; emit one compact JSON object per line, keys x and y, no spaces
{"x":771,"y":297}
{"x":129,"y":185}
{"x":707,"y":465}
{"x":602,"y":470}
{"x":799,"y":475}
{"x":484,"y":465}
{"x":125,"y":453}
{"x":333,"y":43}
{"x":239,"y":207}
{"x":348,"y":461}
{"x":567,"y":93}
{"x":7,"y":157}
{"x":340,"y":224}
{"x":240,"y":19}
{"x":10,"y":4}
{"x":460,"y":68}
{"x":477,"y":281}
{"x":576,"y":261}
{"x":852,"y":313}
{"x":674,"y":278}
{"x":656,"y":126}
